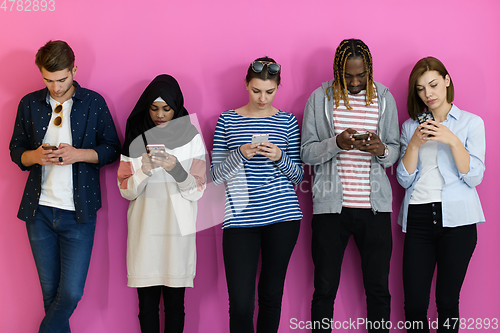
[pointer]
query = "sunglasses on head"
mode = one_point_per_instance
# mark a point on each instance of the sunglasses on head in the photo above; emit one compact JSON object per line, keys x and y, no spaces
{"x":58,"y":119}
{"x":272,"y":67}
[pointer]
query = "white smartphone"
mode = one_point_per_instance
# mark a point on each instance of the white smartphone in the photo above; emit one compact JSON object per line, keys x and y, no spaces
{"x":258,"y":138}
{"x":155,"y":149}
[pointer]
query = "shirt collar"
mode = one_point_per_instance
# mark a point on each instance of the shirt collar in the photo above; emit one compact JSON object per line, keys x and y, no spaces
{"x":454,"y":112}
{"x":44,"y":94}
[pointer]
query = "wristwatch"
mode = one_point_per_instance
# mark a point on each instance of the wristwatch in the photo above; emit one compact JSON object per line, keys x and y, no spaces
{"x":386,"y":151}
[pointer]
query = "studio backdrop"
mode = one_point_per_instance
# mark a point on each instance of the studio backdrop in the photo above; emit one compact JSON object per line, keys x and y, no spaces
{"x":121,"y":46}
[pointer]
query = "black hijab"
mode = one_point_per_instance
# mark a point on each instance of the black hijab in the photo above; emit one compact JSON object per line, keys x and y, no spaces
{"x":175,"y":134}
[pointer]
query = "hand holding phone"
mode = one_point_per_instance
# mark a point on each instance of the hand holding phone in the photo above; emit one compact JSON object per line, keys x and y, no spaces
{"x":49,"y":147}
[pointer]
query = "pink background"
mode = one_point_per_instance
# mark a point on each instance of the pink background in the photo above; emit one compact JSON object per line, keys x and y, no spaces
{"x":207,"y":45}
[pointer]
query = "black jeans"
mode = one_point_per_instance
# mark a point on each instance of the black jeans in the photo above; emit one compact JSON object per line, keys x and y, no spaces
{"x":373,"y":237}
{"x":173,"y":300}
{"x":427,"y":244}
{"x":241,"y":248}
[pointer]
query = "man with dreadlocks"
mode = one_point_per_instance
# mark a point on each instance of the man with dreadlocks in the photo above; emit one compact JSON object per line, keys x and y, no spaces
{"x":351,"y":193}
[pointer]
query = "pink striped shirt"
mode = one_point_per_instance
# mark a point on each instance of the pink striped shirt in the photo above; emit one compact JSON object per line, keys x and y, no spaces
{"x":354,"y":166}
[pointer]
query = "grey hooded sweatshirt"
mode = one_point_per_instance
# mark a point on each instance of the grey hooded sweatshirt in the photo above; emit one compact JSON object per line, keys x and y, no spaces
{"x":319,"y":148}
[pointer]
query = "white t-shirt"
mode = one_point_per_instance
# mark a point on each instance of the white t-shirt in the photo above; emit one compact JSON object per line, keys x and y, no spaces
{"x":429,"y":186}
{"x":57,"y":180}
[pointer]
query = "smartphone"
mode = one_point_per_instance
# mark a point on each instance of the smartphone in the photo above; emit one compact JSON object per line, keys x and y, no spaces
{"x":360,"y":136}
{"x":422,"y":117}
{"x":155,"y":149}
{"x":49,"y":147}
{"x":258,"y":138}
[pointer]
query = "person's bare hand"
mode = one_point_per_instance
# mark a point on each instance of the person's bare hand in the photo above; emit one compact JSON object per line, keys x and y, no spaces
{"x":164,"y":160}
{"x":435,"y":131}
{"x":418,"y":138}
{"x":66,"y":154}
{"x":269,"y":150}
{"x":249,"y":149}
{"x":147,"y":164}
{"x":346,"y":141}
{"x":372,"y":145}
{"x":44,"y":156}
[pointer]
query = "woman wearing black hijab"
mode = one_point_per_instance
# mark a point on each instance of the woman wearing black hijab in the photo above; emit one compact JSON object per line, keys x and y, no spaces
{"x":163,"y":186}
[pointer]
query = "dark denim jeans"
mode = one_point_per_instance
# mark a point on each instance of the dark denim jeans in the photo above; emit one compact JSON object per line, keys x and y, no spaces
{"x":373,"y":236}
{"x":61,"y":248}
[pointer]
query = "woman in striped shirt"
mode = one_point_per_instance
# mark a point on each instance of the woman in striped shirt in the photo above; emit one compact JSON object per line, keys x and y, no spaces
{"x":262,"y":213}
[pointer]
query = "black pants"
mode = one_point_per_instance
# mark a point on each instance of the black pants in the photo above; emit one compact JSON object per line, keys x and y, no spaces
{"x":373,"y":237}
{"x":241,"y":248}
{"x":427,"y":244}
{"x":173,"y":300}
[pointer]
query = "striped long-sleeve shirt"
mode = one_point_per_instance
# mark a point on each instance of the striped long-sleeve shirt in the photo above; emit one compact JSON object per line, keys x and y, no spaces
{"x":258,"y":191}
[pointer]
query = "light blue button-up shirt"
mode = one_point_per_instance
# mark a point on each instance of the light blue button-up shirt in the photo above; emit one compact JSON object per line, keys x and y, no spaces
{"x":460,"y":201}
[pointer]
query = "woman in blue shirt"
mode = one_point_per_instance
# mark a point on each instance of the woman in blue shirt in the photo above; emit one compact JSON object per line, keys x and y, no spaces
{"x":262,"y":213}
{"x":442,"y":161}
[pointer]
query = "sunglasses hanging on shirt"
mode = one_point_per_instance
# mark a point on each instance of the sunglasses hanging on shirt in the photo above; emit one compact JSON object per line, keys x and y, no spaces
{"x":58,"y":119}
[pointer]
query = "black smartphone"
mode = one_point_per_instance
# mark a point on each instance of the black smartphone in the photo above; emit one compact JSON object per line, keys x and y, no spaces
{"x":360,"y":136}
{"x":422,"y":117}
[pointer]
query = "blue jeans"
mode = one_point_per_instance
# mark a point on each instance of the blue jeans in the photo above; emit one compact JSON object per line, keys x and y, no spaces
{"x":61,"y":248}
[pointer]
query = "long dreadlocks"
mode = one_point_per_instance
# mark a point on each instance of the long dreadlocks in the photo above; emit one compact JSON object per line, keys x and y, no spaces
{"x":351,"y":48}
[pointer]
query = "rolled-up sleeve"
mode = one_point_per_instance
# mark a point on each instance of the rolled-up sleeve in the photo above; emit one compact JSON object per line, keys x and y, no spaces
{"x":108,"y":144}
{"x":20,"y":142}
{"x":402,"y":175}
{"x":475,"y":145}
